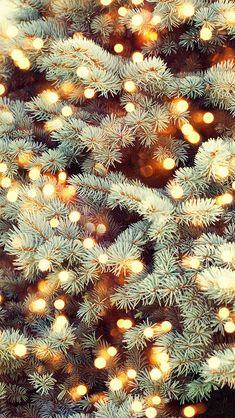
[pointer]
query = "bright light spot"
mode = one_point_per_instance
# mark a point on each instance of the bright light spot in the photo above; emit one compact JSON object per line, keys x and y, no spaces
{"x":136,"y":266}
{"x":168,"y":163}
{"x":112,"y":351}
{"x":12,"y":196}
{"x":129,"y":86}
{"x":136,"y":406}
{"x":122,"y":11}
{"x":37,"y":305}
{"x":3,"y":167}
{"x":205,"y":34}
{"x":186,"y":10}
{"x":103,"y":258}
{"x":166,"y":326}
{"x":101,"y":229}
{"x":223,"y":313}
{"x":12,"y":31}
{"x":106,"y":2}
{"x":194,"y":262}
{"x":156,"y":400}
{"x":155,"y":374}
{"x":48,"y":189}
{"x":6,"y":182}
{"x":229,"y":327}
{"x":32,"y":193}
{"x":137,"y":20}
{"x":100,"y":363}
{"x":130,"y":107}
{"x":222,"y":172}
{"x":131,"y":373}
{"x":17,"y":54}
{"x":81,"y":390}
{"x":177,"y":192}
{"x":88,"y":243}
{"x":227,"y":256}
{"x":51,"y":96}
{"x":74,"y":216}
{"x":2,"y":89}
{"x":34,"y":173}
{"x":60,"y":322}
{"x":44,"y":264}
{"x":63,"y":276}
{"x":181,"y":106}
{"x":54,"y":222}
{"x":67,"y":111}
{"x":137,"y":2}
{"x":59,"y":304}
{"x":225,"y":199}
{"x":148,"y":332}
{"x":189,"y":411}
{"x":89,"y":93}
{"x":116,"y":384}
{"x":137,"y":56}
{"x":194,"y":137}
{"x":155,"y":19}
{"x":208,"y":117}
{"x":62,"y":176}
{"x":124,"y":323}
{"x":213,"y":362}
{"x":151,"y":412}
{"x":23,"y":63}
{"x":187,"y":129}
{"x":118,"y":48}
{"x":83,"y":72}
{"x":20,"y":350}
{"x":38,"y":43}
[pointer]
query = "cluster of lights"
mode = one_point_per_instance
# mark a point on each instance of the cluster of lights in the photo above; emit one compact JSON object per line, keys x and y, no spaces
{"x":20,"y":60}
{"x":101,"y":361}
{"x":190,"y":134}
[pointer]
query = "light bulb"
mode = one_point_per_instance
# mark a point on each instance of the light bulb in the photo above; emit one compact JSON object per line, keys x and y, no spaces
{"x":129,"y":86}
{"x":54,"y":222}
{"x":148,"y":332}
{"x":156,"y":400}
{"x":62,"y":176}
{"x":48,"y":189}
{"x":106,"y":2}
{"x":51,"y":96}
{"x":20,"y":350}
{"x":186,"y":10}
{"x":88,"y":243}
{"x":194,"y":262}
{"x":229,"y":327}
{"x":101,"y":229}
{"x":137,"y":56}
{"x":59,"y":304}
{"x":168,"y":163}
{"x":60,"y":323}
{"x":81,"y":390}
{"x":151,"y":412}
{"x":3,"y":167}
{"x":103,"y":258}
{"x":100,"y":363}
{"x":38,"y":43}
{"x":89,"y":93}
{"x":177,"y":192}
{"x":136,"y":266}
{"x":44,"y":264}
{"x":163,"y":357}
{"x":34,"y":173}
{"x":137,"y":2}
{"x":63,"y":275}
{"x":130,"y":107}
{"x":205,"y":34}
{"x":189,"y":411}
{"x":67,"y":111}
{"x":213,"y":362}
{"x":187,"y":129}
{"x":112,"y":351}
{"x":16,"y":54}
{"x":122,"y":11}
{"x":12,"y":31}
{"x":225,"y":199}
{"x":6,"y":182}
{"x":131,"y":373}
{"x":166,"y":326}
{"x":155,"y":374}
{"x":194,"y":137}
{"x":137,"y":20}
{"x":118,"y":48}
{"x":2,"y":89}
{"x":127,"y":324}
{"x":136,"y":406}
{"x":12,"y":196}
{"x":222,"y":171}
{"x":208,"y":117}
{"x":23,"y":63}
{"x":37,"y":305}
{"x":223,"y":313}
{"x":181,"y":105}
{"x":83,"y":72}
{"x":74,"y":216}
{"x":155,"y":19}
{"x":115,"y":384}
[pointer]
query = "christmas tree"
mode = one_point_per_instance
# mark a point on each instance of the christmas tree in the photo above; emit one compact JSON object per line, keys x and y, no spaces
{"x":117,"y":175}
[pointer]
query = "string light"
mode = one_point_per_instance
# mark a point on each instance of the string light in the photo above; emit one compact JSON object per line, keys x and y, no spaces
{"x":118,"y":48}
{"x":136,"y":406}
{"x":37,"y":305}
{"x":151,"y":412}
{"x":136,"y":266}
{"x":223,"y":313}
{"x":137,"y":2}
{"x":74,"y":216}
{"x":194,"y":137}
{"x":81,"y":390}
{"x":6,"y":182}
{"x":103,"y":258}
{"x":148,"y":332}
{"x":227,"y":256}
{"x":106,"y":2}
{"x":89,"y":93}
{"x":67,"y":111}
{"x":83,"y":72}
{"x":44,"y":264}
{"x":129,"y":86}
{"x":166,"y":326}
{"x":131,"y":373}
{"x":54,"y":222}
{"x":34,"y":173}
{"x":124,"y":323}
{"x":62,"y":176}
{"x":224,"y":199}
{"x":38,"y":43}
{"x":101,"y":229}
{"x":155,"y":19}
{"x":12,"y":31}
{"x":20,"y":350}
{"x":12,"y":196}
{"x":177,"y":191}
{"x":51,"y":96}
{"x":194,"y":262}
{"x":156,"y":400}
{"x":137,"y":20}
{"x":186,"y":10}
{"x":208,"y":117}
{"x":130,"y":107}
{"x":189,"y":411}
{"x":137,"y":57}
{"x":229,"y":327}
{"x":3,"y":167}
{"x":48,"y":189}
{"x":2,"y":89}
{"x":181,"y":106}
{"x":88,"y":243}
{"x":168,"y":163}
{"x":60,"y":323}
{"x":16,"y":54}
{"x":163,"y":357}
{"x":155,"y":374}
{"x":116,"y":384}
{"x":112,"y":351}
{"x":63,"y":275}
{"x":100,"y":363}
{"x":213,"y":362}
{"x":187,"y":129}
{"x":205,"y":34}
{"x":23,"y":63}
{"x":221,"y":171}
{"x":59,"y":304}
{"x":122,"y":11}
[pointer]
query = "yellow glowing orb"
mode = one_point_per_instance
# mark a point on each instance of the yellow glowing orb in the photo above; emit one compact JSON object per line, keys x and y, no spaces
{"x":67,"y":111}
{"x":122,"y":11}
{"x":38,"y":305}
{"x":6,"y":182}
{"x":189,"y":411}
{"x":63,"y":275}
{"x":137,"y":19}
{"x":187,"y":129}
{"x":60,"y":323}
{"x":20,"y":350}
{"x":48,"y":189}
{"x":130,"y":107}
{"x":131,"y":373}
{"x":229,"y":327}
{"x":59,"y":304}
{"x":106,"y":2}
{"x":12,"y":31}
{"x":16,"y":54}
{"x":151,"y":412}
{"x":136,"y":266}
{"x":44,"y":264}
{"x":112,"y":351}
{"x":166,"y":326}
{"x":74,"y":216}
{"x":177,"y":191}
{"x":168,"y":163}
{"x":194,"y":137}
{"x":3,"y":167}
{"x":148,"y":332}
{"x":88,"y":243}
{"x":54,"y":222}
{"x":103,"y":258}
{"x":155,"y":19}
{"x":186,"y":10}
{"x":129,"y":86}
{"x":156,"y":400}
{"x":208,"y":117}
{"x":155,"y":374}
{"x":137,"y":56}
{"x":83,"y":72}
{"x":213,"y":362}
{"x":205,"y":34}
{"x":118,"y":48}
{"x":89,"y":93}
{"x":12,"y":196}
{"x":136,"y":406}
{"x":23,"y":63}
{"x":181,"y":106}
{"x":116,"y":384}
{"x":223,"y":313}
{"x":100,"y":363}
{"x":81,"y":390}
{"x":34,"y":173}
{"x":2,"y":89}
{"x":38,"y":43}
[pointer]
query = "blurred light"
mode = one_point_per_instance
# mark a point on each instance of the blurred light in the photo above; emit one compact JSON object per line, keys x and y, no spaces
{"x":3,"y":167}
{"x":60,"y":322}
{"x":227,"y":256}
{"x":148,"y":332}
{"x":118,"y":48}
{"x":137,"y":57}
{"x":101,"y":229}
{"x":51,"y":96}
{"x":63,"y":275}
{"x":181,"y":105}
{"x":88,"y":243}
{"x":54,"y":222}
{"x":6,"y":182}
{"x":156,"y":400}
{"x":233,"y":185}
{"x":222,"y":172}
{"x":136,"y":266}
{"x":116,"y":384}
{"x":112,"y":351}
{"x":48,"y":189}
{"x":131,"y":373}
{"x":230,"y":17}
{"x":67,"y":111}
{"x":12,"y":31}
{"x":89,"y":93}
{"x":122,"y":11}
{"x":130,"y":107}
{"x":155,"y":373}
{"x":12,"y":196}
{"x":223,"y":313}
{"x":23,"y":63}
{"x":186,"y":10}
{"x":44,"y":264}
{"x":229,"y":327}
{"x":166,"y":326}
{"x":59,"y":304}
{"x":213,"y":362}
{"x":81,"y":390}
{"x":194,"y":262}
{"x":34,"y":173}
{"x":83,"y":72}
{"x":224,"y":199}
{"x":32,"y":193}
{"x":74,"y":216}
{"x":136,"y":406}
{"x":2,"y":89}
{"x":208,"y":117}
{"x":129,"y":86}
{"x":100,"y":363}
{"x":151,"y":412}
{"x":17,"y":54}
{"x":62,"y":176}
{"x":163,"y":357}
{"x":187,"y":129}
{"x":103,"y":258}
{"x":205,"y":34}
{"x":177,"y":192}
{"x":151,"y":36}
{"x":168,"y":163}
{"x":20,"y":350}
{"x":124,"y":323}
{"x":37,"y":305}
{"x":137,"y":20}
{"x":38,"y":43}
{"x":194,"y":137}
{"x":137,"y":2}
{"x":189,"y":411}
{"x":106,"y":2}
{"x":156,"y":19}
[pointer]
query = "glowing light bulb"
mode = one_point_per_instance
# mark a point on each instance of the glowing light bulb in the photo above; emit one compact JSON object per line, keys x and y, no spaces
{"x":181,"y":106}
{"x":166,"y":326}
{"x":81,"y":390}
{"x":67,"y":111}
{"x":112,"y":351}
{"x":168,"y":163}
{"x":136,"y":406}
{"x":229,"y":327}
{"x":48,"y":189}
{"x":101,"y":229}
{"x":44,"y":264}
{"x":106,"y":2}
{"x":194,"y":137}
{"x":222,"y":172}
{"x":37,"y":305}
{"x":151,"y":412}
{"x":223,"y":313}
{"x":189,"y":411}
{"x":3,"y":167}
{"x":208,"y":117}
{"x":2,"y":89}
{"x":186,"y":10}
{"x":12,"y":31}
{"x":6,"y":182}
{"x":88,"y":243}
{"x":230,"y":17}
{"x":54,"y":222}
{"x":83,"y":72}
{"x":103,"y":258}
{"x":131,"y":373}
{"x":122,"y":11}
{"x":100,"y":363}
{"x":177,"y":191}
{"x":155,"y":19}
{"x":118,"y":48}
{"x":38,"y":43}
{"x":130,"y":107}
{"x":205,"y":34}
{"x":137,"y":20}
{"x":62,"y":176}
{"x":89,"y":93}
{"x":74,"y":216}
{"x":60,"y":323}
{"x":227,"y":256}
{"x":116,"y":384}
{"x":63,"y":275}
{"x":187,"y":129}
{"x":129,"y":86}
{"x":34,"y":173}
{"x":225,"y":199}
{"x":155,"y":374}
{"x":148,"y":332}
{"x":136,"y":266}
{"x":194,"y":262}
{"x":51,"y":96}
{"x":17,"y":54}
{"x":137,"y":57}
{"x":12,"y":196}
{"x":59,"y":304}
{"x":156,"y":400}
{"x":137,"y":2}
{"x":23,"y":63}
{"x":213,"y":362}
{"x":124,"y":323}
{"x":20,"y":350}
